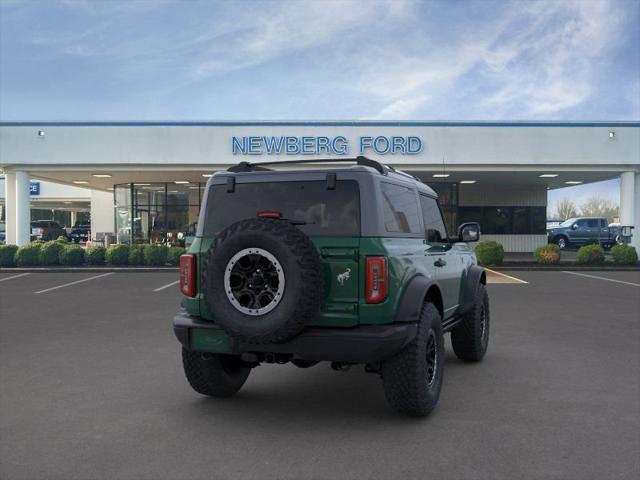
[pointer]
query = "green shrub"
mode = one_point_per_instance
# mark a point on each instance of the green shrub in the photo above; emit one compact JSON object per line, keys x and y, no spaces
{"x":590,"y":254}
{"x":95,"y":255}
{"x":62,"y":239}
{"x":38,"y":242}
{"x":136,"y":255}
{"x":155,"y":255}
{"x":118,"y":254}
{"x":489,"y":252}
{"x":72,"y":255}
{"x":624,"y":255}
{"x":547,"y":254}
{"x":8,"y":255}
{"x":29,"y":255}
{"x":50,"y":253}
{"x":173,"y":255}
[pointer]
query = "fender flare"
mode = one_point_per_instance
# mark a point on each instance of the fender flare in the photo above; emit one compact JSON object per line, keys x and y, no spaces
{"x":410,"y":305}
{"x":475,"y":276}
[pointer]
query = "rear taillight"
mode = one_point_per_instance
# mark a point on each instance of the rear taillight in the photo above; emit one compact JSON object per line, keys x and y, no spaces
{"x":188,"y":275}
{"x":376,"y":280}
{"x":41,"y":231}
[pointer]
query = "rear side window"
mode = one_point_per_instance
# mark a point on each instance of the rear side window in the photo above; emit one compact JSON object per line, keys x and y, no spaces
{"x":322,"y":212}
{"x":435,"y":230}
{"x":400,"y":208}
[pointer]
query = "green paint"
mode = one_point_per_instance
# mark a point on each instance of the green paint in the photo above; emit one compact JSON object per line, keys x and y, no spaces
{"x":344,"y":304}
{"x":207,"y":340}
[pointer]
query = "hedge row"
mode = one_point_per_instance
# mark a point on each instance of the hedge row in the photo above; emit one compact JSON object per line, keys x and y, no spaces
{"x":59,"y":252}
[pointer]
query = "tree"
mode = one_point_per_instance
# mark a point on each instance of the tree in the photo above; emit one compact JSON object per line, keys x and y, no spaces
{"x":565,"y":209}
{"x":596,"y":206}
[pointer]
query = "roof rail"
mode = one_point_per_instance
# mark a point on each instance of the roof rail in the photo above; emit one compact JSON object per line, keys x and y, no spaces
{"x":257,"y":167}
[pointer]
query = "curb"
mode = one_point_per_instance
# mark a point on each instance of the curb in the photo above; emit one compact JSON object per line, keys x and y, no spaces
{"x":568,"y":268}
{"x":88,"y":269}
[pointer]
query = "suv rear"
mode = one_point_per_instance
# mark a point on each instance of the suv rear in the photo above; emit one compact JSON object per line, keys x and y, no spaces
{"x":348,"y":265}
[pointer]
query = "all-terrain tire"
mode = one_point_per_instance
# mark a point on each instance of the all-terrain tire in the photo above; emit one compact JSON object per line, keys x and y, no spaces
{"x":214,"y":375}
{"x":302,"y":269}
{"x":408,"y":387}
{"x":470,"y":338}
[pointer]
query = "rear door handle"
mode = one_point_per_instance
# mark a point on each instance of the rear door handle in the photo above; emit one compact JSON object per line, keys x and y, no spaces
{"x":439,"y":263}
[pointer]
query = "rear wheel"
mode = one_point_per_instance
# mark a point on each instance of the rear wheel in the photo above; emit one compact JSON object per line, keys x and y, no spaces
{"x":214,"y":375}
{"x":412,"y":379}
{"x":470,"y":338}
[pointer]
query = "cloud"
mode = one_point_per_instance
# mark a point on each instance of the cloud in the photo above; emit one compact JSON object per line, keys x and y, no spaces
{"x":386,"y":59}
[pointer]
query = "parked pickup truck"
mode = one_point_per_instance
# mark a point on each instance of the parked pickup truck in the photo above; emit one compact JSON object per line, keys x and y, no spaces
{"x":580,"y":231}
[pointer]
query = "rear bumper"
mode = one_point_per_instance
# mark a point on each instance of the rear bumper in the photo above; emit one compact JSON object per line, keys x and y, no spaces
{"x":363,"y":344}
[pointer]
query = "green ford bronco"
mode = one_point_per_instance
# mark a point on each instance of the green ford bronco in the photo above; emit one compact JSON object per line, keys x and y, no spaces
{"x":350,"y":264}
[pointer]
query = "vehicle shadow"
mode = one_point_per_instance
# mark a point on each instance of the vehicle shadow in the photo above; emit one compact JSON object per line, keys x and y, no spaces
{"x":299,"y":399}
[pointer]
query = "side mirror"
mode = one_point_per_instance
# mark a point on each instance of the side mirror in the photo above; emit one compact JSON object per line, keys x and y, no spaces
{"x":469,"y":232}
{"x":574,"y":226}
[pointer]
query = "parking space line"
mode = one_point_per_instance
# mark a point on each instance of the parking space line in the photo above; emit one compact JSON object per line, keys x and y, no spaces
{"x":14,"y":276}
{"x":74,"y":283}
{"x":603,"y":278}
{"x":167,"y":286}
{"x":514,"y":279}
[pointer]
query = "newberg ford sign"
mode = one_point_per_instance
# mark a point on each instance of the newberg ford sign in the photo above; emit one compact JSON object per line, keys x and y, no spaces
{"x":319,"y":145}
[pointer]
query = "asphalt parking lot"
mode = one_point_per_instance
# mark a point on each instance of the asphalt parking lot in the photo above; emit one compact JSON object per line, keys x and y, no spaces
{"x":91,"y":387}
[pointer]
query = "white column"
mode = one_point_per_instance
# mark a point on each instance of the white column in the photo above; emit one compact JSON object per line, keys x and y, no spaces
{"x":630,"y":204}
{"x":73,"y":218}
{"x":10,"y":206}
{"x":22,"y":208}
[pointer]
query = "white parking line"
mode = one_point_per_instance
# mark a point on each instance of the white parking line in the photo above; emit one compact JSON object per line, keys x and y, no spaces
{"x":74,"y":283}
{"x":167,"y":286}
{"x":603,"y":278}
{"x":14,"y":276}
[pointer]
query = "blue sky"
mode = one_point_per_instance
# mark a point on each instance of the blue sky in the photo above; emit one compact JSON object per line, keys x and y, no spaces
{"x":480,"y":59}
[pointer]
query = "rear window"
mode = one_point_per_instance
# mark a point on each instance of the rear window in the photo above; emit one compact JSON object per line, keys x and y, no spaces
{"x":334,"y":213}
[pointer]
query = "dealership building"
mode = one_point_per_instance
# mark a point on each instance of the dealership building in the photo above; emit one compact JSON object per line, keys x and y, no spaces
{"x":145,"y":180}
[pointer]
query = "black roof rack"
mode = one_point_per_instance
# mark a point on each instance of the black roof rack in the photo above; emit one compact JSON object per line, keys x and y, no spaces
{"x":257,"y":167}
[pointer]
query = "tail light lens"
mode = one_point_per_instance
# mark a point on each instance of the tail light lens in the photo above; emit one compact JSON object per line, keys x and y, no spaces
{"x":376,"y":280}
{"x":41,"y":231}
{"x":188,"y":275}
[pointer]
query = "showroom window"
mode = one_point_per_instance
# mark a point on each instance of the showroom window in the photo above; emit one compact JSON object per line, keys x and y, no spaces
{"x":162,"y":213}
{"x":506,"y":220}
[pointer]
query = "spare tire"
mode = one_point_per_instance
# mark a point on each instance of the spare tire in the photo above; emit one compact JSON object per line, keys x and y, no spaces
{"x":262,"y":280}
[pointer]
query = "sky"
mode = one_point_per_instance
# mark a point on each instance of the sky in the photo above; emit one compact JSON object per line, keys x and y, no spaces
{"x":387,"y":60}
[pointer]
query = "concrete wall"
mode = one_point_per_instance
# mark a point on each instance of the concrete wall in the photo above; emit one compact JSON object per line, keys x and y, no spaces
{"x":518,"y":243}
{"x":102,"y":217}
{"x":210,"y":143}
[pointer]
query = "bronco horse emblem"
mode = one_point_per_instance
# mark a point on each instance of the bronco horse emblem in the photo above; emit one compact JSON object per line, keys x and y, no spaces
{"x":342,"y":277}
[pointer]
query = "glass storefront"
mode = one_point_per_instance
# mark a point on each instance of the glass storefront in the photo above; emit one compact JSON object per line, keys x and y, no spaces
{"x":163,"y":213}
{"x":167,"y":213}
{"x":493,"y":220}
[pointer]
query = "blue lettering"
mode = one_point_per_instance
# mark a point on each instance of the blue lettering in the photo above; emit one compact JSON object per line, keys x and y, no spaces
{"x":397,"y":145}
{"x":237,"y":147}
{"x":365,"y":143}
{"x":308,"y":145}
{"x":339,"y":145}
{"x":323,"y":145}
{"x":376,"y":145}
{"x":293,"y":146}
{"x":273,"y":145}
{"x":254,"y":146}
{"x":414,"y":145}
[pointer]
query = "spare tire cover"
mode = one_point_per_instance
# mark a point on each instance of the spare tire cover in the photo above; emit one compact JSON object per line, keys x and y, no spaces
{"x":262,"y":280}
